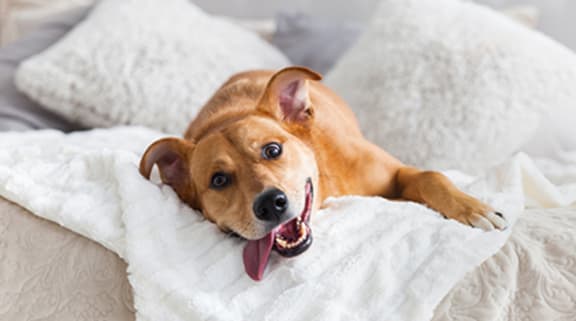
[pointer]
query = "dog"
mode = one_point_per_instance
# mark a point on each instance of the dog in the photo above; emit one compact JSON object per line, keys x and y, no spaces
{"x":269,"y":147}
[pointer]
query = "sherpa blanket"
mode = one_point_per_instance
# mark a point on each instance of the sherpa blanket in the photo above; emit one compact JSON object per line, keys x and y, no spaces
{"x":372,"y":259}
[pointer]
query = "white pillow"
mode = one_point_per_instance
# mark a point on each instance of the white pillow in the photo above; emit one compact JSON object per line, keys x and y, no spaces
{"x":451,"y":84}
{"x":143,"y":62}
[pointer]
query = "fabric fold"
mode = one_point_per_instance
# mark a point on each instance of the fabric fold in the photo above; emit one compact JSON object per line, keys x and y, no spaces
{"x":372,"y":258}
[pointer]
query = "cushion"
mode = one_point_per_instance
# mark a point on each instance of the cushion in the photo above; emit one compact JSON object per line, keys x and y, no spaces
{"x":463,"y":88}
{"x":556,"y":134}
{"x":17,"y":112}
{"x":318,"y":42}
{"x":314,"y":42}
{"x":143,"y":62}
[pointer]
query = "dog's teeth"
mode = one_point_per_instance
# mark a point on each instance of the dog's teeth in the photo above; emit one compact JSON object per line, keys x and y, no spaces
{"x":281,"y":242}
{"x":302,"y":235}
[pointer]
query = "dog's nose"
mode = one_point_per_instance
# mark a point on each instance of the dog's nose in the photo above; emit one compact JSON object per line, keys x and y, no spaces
{"x":270,"y":205}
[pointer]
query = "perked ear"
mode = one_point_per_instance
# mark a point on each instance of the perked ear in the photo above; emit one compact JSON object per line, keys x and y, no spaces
{"x":286,"y":95}
{"x":171,"y":156}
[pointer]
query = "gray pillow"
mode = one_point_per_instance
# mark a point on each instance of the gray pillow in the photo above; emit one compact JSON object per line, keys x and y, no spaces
{"x":314,"y":42}
{"x":17,"y":112}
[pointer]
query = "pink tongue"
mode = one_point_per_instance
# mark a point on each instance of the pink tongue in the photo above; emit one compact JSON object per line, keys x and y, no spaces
{"x":256,"y":254}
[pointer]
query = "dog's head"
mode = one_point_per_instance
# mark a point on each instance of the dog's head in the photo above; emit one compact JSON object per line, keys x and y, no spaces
{"x":253,"y":174}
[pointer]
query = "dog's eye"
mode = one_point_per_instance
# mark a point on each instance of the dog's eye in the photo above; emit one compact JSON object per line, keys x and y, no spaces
{"x":220,"y":180}
{"x":271,"y":151}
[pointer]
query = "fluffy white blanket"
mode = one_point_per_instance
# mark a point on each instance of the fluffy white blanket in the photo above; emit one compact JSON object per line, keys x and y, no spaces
{"x":372,"y":259}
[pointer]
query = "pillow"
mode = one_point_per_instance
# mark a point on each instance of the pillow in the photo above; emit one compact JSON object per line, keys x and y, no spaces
{"x":462,"y":88}
{"x":556,"y":135}
{"x":17,"y":112}
{"x":142,"y":62}
{"x":318,"y":42}
{"x":313,"y":42}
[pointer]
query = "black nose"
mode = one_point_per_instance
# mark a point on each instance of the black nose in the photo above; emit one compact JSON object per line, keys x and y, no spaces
{"x":270,"y":205}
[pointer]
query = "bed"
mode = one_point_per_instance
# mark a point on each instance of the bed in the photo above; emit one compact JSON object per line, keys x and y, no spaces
{"x":49,"y":272}
{"x":54,"y":273}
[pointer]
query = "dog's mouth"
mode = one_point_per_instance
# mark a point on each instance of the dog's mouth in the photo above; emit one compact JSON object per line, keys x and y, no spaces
{"x":289,"y":239}
{"x":295,"y":236}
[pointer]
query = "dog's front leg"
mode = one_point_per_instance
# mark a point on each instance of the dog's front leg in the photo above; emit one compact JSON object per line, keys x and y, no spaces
{"x":437,"y":192}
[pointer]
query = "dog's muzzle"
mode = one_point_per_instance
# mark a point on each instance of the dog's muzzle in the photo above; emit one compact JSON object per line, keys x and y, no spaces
{"x":288,"y":238}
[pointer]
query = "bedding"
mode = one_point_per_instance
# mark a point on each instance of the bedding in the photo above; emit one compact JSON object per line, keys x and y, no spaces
{"x":52,"y":274}
{"x":318,"y":42}
{"x":502,"y":288}
{"x":178,"y":263}
{"x":465,"y":87}
{"x":314,"y":42}
{"x":142,"y":62}
{"x":533,"y":277}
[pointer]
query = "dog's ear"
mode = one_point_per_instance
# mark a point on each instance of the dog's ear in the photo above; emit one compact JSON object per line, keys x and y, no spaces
{"x":171,"y":155}
{"x":286,"y":95}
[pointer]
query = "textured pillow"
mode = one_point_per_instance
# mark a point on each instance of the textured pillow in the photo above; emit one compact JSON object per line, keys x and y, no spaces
{"x":463,"y":87}
{"x":319,"y":42}
{"x":144,"y":62}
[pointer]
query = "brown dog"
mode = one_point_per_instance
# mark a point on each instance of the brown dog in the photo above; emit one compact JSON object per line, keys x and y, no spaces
{"x":268,"y":148}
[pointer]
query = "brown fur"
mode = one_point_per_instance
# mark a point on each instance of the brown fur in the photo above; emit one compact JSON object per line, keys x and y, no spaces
{"x":324,"y":143}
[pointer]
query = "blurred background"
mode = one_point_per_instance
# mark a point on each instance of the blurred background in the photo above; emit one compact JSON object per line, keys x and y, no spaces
{"x":556,"y":18}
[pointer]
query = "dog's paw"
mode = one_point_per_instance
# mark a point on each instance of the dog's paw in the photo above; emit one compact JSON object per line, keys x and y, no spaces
{"x":469,"y":211}
{"x":488,"y":221}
